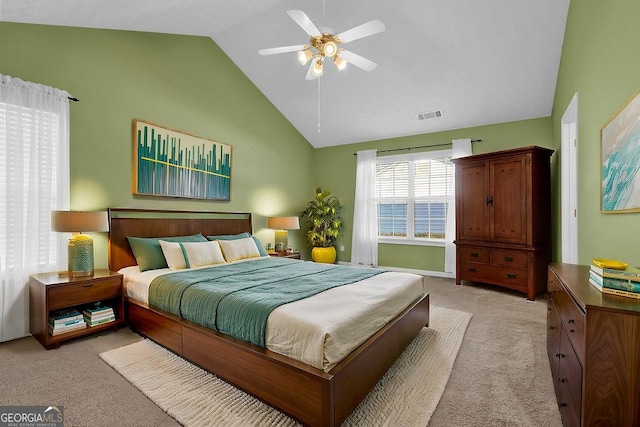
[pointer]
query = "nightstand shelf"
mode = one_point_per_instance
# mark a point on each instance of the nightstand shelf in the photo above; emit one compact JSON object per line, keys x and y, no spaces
{"x":49,"y":292}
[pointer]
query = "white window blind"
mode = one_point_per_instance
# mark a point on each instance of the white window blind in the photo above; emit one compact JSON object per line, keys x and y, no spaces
{"x":413,"y":193}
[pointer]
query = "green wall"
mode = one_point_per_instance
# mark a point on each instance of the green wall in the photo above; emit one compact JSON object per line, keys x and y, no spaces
{"x":180,"y":82}
{"x":335,"y":170}
{"x":600,"y":62}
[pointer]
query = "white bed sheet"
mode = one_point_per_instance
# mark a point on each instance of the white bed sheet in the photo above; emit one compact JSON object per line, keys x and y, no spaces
{"x":320,"y":330}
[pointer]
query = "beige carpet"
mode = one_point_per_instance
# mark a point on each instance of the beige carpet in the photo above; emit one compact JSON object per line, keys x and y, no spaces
{"x":407,"y":395}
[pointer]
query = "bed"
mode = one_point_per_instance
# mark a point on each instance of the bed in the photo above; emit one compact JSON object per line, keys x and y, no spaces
{"x":314,"y":395}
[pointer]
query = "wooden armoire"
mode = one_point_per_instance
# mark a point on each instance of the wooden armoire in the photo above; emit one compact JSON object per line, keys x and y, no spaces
{"x":503,"y":218}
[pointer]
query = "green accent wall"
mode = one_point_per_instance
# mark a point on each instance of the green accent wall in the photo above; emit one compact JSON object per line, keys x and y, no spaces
{"x":600,"y":62}
{"x":180,"y":82}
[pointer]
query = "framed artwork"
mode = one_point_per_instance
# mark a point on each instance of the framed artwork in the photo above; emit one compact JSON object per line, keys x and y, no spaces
{"x":621,"y":160}
{"x":170,"y":163}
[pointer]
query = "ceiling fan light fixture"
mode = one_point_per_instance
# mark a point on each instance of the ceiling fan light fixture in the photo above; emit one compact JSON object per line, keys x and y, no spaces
{"x":317,"y":68}
{"x":340,"y":63}
{"x":329,"y":49}
{"x":304,"y":56}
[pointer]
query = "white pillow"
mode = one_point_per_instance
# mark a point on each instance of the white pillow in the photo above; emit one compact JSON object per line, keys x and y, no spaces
{"x":234,"y":250}
{"x":181,"y":255}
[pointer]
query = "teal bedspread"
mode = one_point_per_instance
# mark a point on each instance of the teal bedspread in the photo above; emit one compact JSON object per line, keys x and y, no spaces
{"x":236,"y":299}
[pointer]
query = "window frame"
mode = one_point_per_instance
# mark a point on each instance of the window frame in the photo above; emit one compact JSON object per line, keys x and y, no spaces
{"x":410,"y":199}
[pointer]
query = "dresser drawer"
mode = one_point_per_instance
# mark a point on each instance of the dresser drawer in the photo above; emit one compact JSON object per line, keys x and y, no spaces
{"x":572,"y":319}
{"x":83,"y":292}
{"x":510,"y":259}
{"x":569,"y":382}
{"x":509,"y":277}
{"x":473,"y":254}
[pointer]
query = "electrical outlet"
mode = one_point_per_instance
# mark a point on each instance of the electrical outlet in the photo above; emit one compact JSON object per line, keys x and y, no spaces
{"x":341,"y":248}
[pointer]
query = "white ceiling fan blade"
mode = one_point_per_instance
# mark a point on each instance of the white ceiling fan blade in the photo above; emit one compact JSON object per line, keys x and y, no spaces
{"x":358,"y":61}
{"x":305,"y":23}
{"x":367,"y":29}
{"x":283,"y":49}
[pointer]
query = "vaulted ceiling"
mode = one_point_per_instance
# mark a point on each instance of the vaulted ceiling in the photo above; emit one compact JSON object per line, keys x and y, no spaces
{"x":479,"y":62}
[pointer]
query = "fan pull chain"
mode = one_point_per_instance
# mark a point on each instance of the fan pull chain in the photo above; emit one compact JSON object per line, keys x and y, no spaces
{"x":318,"y":106}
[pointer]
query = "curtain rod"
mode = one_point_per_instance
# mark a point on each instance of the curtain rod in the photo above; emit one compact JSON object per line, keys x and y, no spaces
{"x":419,"y":146}
{"x":71,"y":98}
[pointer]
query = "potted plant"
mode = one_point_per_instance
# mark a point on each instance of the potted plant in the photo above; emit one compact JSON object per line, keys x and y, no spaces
{"x":324,"y":213}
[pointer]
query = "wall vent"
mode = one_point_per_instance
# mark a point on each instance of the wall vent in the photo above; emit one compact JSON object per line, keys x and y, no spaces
{"x":429,"y":115}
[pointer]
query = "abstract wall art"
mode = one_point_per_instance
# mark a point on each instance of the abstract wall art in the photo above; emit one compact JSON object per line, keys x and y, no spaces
{"x":621,"y":160}
{"x":176,"y":164}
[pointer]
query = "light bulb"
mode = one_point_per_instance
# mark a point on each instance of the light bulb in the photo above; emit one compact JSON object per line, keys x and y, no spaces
{"x":317,"y":68}
{"x":329,"y":49}
{"x":304,"y":56}
{"x":340,"y":63}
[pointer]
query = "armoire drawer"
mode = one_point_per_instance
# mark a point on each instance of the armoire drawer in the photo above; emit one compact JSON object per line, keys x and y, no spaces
{"x":493,"y":274}
{"x":474,"y":254}
{"x":508,"y":258}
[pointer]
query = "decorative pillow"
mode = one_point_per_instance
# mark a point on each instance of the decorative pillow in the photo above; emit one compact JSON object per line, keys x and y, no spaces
{"x":148,"y":252}
{"x":180,"y":255}
{"x":236,"y":249}
{"x":261,"y":249}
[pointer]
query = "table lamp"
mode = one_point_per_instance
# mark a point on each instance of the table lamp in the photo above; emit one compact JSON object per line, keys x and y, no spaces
{"x":281,"y":224}
{"x":80,"y":245}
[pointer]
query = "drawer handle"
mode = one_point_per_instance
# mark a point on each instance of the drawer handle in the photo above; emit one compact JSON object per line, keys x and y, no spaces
{"x":87,"y":285}
{"x":552,"y":327}
{"x":511,"y":276}
{"x":471,"y":269}
{"x":571,"y":321}
{"x":508,"y":259}
{"x":474,"y":254}
{"x":562,"y":380}
{"x":563,"y":405}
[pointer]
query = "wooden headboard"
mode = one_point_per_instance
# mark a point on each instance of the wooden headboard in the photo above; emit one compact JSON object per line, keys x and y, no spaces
{"x":165,"y":223}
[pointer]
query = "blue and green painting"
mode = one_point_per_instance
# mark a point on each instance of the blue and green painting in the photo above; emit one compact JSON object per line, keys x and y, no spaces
{"x":171,"y":163}
{"x":621,"y":160}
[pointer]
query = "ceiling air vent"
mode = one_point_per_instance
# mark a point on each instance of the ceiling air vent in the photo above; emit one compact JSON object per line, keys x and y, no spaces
{"x":429,"y":115}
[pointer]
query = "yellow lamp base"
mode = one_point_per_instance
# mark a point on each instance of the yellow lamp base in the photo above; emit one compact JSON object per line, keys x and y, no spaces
{"x":281,"y":240}
{"x":80,"y":256}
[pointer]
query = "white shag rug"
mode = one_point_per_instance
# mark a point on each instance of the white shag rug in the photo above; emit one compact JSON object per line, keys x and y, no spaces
{"x":406,"y":395}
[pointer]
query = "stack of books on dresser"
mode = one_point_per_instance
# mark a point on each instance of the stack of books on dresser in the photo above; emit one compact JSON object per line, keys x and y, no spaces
{"x":98,"y":315}
{"x":624,"y":283}
{"x":63,"y":321}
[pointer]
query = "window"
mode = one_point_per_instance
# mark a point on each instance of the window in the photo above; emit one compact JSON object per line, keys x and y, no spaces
{"x":413,"y":193}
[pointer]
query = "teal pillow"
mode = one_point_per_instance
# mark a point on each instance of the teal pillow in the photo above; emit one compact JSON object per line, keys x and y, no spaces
{"x":261,"y":249}
{"x":148,"y":252}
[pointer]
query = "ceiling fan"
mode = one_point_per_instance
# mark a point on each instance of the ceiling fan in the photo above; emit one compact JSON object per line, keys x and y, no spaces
{"x":324,"y":43}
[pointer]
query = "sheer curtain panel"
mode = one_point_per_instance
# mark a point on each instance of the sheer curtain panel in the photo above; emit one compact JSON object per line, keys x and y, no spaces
{"x":460,"y":148}
{"x":364,"y":242}
{"x":34,"y":180}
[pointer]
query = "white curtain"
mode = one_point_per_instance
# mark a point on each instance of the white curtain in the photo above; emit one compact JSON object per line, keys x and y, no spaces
{"x":364,"y":242}
{"x":34,"y":179}
{"x":460,"y":148}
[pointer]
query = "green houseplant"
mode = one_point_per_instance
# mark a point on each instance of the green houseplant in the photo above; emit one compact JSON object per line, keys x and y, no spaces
{"x":324,"y":214}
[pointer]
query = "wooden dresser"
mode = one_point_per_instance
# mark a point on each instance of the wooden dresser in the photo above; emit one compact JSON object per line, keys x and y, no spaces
{"x":503,"y":218}
{"x":593,"y":343}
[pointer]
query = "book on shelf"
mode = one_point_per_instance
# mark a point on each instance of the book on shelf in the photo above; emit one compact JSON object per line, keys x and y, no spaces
{"x":97,"y":311}
{"x":61,"y":329}
{"x":101,"y":321}
{"x":613,"y":283}
{"x":64,"y":316}
{"x":635,"y":295}
{"x":630,"y":273}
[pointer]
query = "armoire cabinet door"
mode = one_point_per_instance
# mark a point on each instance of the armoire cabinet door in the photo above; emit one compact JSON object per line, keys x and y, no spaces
{"x":471,"y":192}
{"x":508,"y":210}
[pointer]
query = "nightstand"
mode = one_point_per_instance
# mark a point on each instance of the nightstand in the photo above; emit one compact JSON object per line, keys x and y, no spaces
{"x":293,"y":255}
{"x":50,"y":291}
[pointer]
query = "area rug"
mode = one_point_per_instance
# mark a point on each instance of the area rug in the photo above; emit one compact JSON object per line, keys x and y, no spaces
{"x":406,"y":395}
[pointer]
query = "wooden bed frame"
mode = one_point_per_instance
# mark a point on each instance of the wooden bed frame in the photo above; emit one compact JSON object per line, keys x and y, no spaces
{"x":305,"y":393}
